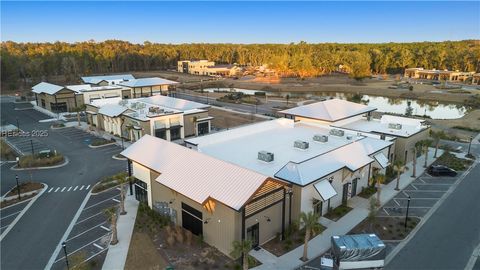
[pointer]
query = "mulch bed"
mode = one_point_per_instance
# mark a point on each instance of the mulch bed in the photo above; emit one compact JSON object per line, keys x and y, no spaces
{"x":367,"y":192}
{"x":25,"y":187}
{"x":292,"y":240}
{"x":14,"y":201}
{"x":386,"y":228}
{"x":338,"y":212}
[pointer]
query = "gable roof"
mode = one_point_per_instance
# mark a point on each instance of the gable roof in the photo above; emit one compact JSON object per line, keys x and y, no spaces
{"x":47,"y":88}
{"x":174,"y":103}
{"x":97,"y":79}
{"x":329,"y":110}
{"x":195,"y":175}
{"x":142,"y":82}
{"x":112,"y":110}
{"x":352,"y":156}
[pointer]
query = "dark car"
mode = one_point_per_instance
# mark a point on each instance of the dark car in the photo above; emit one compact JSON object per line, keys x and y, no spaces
{"x":440,"y":170}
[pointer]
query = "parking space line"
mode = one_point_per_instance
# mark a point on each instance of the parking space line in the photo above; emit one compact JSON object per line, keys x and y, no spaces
{"x":105,"y":228}
{"x":414,"y":186}
{"x":428,"y":190}
{"x":4,"y":226}
{"x":404,"y":193}
{"x":436,"y":198}
{"x":98,"y":246}
{"x":420,"y":178}
{"x":77,"y":235}
{"x":63,"y":189}
{"x":115,"y":200}
{"x":63,"y":257}
{"x":57,"y":189}
{"x":16,"y":213}
{"x":429,"y":184}
{"x":50,"y":190}
{"x":385,"y":210}
{"x":396,"y":201}
{"x":90,"y":206}
{"x":89,"y":218}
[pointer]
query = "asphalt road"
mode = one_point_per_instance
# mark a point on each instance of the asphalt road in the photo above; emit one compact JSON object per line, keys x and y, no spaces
{"x":450,"y":235}
{"x":32,"y":241}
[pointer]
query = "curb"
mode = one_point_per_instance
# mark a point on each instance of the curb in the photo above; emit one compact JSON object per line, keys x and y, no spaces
{"x":65,"y":162}
{"x":98,"y":146}
{"x":21,"y":194}
{"x":117,"y":158}
{"x":45,"y":186}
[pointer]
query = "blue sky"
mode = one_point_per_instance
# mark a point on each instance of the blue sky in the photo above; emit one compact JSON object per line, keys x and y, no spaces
{"x":240,"y":22}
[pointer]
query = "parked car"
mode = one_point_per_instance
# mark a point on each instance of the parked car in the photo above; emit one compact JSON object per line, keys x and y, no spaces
{"x":440,"y":170}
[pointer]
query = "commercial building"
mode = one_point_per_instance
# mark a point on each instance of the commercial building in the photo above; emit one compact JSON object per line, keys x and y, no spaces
{"x":160,"y":116}
{"x":56,"y":98}
{"x":207,"y":68}
{"x":438,"y":75}
{"x":476,"y":78}
{"x":146,"y":87}
{"x":104,"y":80}
{"x":356,"y":117}
{"x":90,"y":92}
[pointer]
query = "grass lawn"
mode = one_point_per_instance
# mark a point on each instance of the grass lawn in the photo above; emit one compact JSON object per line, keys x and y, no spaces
{"x":142,"y":253}
{"x":7,"y":153}
{"x":225,"y":119}
{"x":32,"y":161}
{"x":338,"y":212}
{"x":451,"y":161}
{"x":386,"y":228}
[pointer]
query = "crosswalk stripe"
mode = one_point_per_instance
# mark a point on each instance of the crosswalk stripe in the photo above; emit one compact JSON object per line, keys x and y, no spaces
{"x":63,"y":189}
{"x":87,"y":187}
{"x":75,"y":188}
{"x":57,"y":189}
{"x":69,"y":189}
{"x":81,"y":187}
{"x":50,"y":190}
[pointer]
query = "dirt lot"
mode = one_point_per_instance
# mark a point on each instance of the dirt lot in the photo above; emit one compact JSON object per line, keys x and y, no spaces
{"x":142,"y":254}
{"x":470,"y":120}
{"x":225,"y":119}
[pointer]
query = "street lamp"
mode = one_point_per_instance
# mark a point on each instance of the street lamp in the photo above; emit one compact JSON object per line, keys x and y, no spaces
{"x":469,"y":145}
{"x":31,"y":144}
{"x":406,"y":215}
{"x":18,"y":186}
{"x":18,"y":126}
{"x":64,"y":245}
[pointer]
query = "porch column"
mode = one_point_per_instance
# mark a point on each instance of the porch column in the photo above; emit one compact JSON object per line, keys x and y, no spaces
{"x":243,"y":223}
{"x":283,"y":213}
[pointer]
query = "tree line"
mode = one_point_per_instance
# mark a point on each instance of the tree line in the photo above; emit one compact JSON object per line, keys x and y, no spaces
{"x":32,"y":62}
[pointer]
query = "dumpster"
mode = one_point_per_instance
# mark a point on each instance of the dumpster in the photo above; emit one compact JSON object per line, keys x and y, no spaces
{"x":358,"y":251}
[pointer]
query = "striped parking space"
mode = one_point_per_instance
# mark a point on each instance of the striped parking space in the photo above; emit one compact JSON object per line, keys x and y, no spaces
{"x":56,"y":189}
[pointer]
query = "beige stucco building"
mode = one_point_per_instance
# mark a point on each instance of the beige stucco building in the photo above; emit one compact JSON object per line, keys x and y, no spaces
{"x":207,"y":68}
{"x":438,"y":75}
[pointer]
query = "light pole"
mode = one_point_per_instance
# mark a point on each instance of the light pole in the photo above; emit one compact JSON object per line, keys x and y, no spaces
{"x":406,"y":214}
{"x":31,"y":144}
{"x":18,"y":186}
{"x":64,"y":245}
{"x":470,"y":145}
{"x":18,"y":125}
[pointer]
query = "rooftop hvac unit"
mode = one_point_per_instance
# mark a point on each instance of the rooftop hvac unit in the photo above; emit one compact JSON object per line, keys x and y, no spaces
{"x":337,"y":132}
{"x":349,"y":137}
{"x":141,"y":105}
{"x":300,"y":144}
{"x":265,"y":156}
{"x":394,"y":126}
{"x":320,"y":138}
{"x":122,"y":102}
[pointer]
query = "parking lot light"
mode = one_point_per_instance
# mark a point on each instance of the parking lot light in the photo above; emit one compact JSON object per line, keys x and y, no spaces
{"x":470,"y":145}
{"x":64,"y":245}
{"x":18,"y":186}
{"x":406,"y":214}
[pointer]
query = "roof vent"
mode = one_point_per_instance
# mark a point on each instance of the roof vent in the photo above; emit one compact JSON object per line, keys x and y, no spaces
{"x":395,"y":126}
{"x":300,"y":144}
{"x":337,"y":132}
{"x":265,"y":156}
{"x":320,"y":138}
{"x":349,"y":137}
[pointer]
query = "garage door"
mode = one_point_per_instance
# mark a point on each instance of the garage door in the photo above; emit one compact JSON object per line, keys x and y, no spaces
{"x":192,"y":219}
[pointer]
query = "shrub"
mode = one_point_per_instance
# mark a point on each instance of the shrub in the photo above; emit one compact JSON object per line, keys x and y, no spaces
{"x":179,"y":234}
{"x":37,"y":161}
{"x":99,"y":142}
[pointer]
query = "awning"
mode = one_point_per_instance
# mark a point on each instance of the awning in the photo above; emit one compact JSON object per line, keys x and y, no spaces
{"x":325,"y":189}
{"x":382,"y":160}
{"x":204,"y":119}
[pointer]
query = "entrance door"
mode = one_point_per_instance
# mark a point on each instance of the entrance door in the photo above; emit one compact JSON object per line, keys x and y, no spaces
{"x":354,"y":187}
{"x":202,"y":128}
{"x":192,"y":219}
{"x":253,"y":233}
{"x":141,"y":191}
{"x":345,"y":193}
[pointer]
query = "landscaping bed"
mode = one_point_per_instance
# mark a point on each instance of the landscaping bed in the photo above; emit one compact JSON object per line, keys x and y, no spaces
{"x":367,"y":192}
{"x":25,"y":187}
{"x":451,"y":161}
{"x":386,"y":228}
{"x":171,"y":245}
{"x":338,"y":212}
{"x":108,"y":182}
{"x":100,"y":142}
{"x":14,"y":201}
{"x":57,"y":125}
{"x":41,"y":160}
{"x":7,"y":153}
{"x":293,"y":239}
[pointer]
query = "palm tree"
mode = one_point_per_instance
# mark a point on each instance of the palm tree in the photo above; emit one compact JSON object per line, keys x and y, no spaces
{"x":122,"y":179}
{"x":399,"y":167}
{"x":418,"y":145}
{"x":241,"y":249}
{"x":379,"y":179}
{"x":436,"y":135}
{"x":79,"y":109}
{"x":426,"y":144}
{"x":310,"y":222}
{"x":112,"y":217}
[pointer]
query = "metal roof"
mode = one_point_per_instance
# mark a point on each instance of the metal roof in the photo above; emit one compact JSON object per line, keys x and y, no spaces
{"x":112,"y":110}
{"x":195,"y":175}
{"x":174,"y":103}
{"x":142,"y":82}
{"x":329,"y":110}
{"x":97,"y":79}
{"x":47,"y":88}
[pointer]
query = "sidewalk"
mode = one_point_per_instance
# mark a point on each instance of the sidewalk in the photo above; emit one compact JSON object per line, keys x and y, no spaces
{"x":321,"y":243}
{"x":117,"y":254}
{"x":99,"y":133}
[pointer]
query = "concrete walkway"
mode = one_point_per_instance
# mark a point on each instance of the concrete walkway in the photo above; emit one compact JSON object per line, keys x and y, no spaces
{"x":117,"y":254}
{"x":99,"y":133}
{"x":321,"y":243}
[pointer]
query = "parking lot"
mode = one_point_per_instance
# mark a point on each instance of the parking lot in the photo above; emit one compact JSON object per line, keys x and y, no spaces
{"x":89,"y":239}
{"x":25,"y":145}
{"x":424,"y":192}
{"x":9,"y":213}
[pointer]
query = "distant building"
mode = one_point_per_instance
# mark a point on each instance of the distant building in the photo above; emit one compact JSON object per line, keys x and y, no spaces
{"x":476,"y":78}
{"x":104,"y":80}
{"x":207,"y":68}
{"x":56,"y":98}
{"x":438,"y":75}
